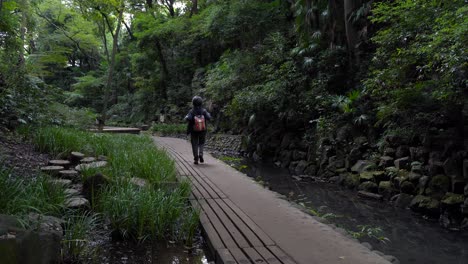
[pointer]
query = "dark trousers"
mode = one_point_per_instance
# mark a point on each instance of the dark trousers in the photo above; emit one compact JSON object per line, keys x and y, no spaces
{"x":198,"y":142}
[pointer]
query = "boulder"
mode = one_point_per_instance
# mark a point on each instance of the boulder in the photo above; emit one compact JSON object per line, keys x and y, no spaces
{"x":465,"y":169}
{"x":402,"y":163}
{"x":285,"y":158}
{"x":386,"y":161}
{"x":464,"y":207}
{"x":438,"y":186}
{"x":366,"y":176}
{"x":391,"y":172}
{"x":402,"y":151}
{"x":458,"y":185}
{"x":407,"y":187}
{"x":369,"y":195}
{"x":466,"y":190}
{"x":362,"y":165}
{"x":351,"y":180}
{"x":398,"y":181}
{"x":452,"y":200}
{"x":300,"y":168}
{"x":414,"y":177}
{"x":292,"y":167}
{"x":39,"y":246}
{"x":422,"y":184}
{"x":389,"y":152}
{"x":92,"y":165}
{"x":435,"y":167}
{"x":416,"y":167}
{"x":299,"y":155}
{"x":391,"y":259}
{"x":402,"y":200}
{"x":380,"y":176}
{"x":369,"y":187}
{"x":452,"y":168}
{"x":419,"y":153}
{"x":311,"y":170}
{"x":385,"y":189}
{"x":425,"y":205}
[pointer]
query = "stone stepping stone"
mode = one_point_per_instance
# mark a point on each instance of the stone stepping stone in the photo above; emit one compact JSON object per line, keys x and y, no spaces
{"x":76,"y":156}
{"x":139,"y":182}
{"x":92,"y":165}
{"x":52,"y":170}
{"x":77,"y":203}
{"x":88,"y":160}
{"x":72,"y":192}
{"x":69,"y":174}
{"x":62,"y":182}
{"x":63,"y":163}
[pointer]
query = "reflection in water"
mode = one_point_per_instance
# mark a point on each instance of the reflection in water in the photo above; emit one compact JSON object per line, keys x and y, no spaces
{"x":412,"y":238}
{"x":129,"y":252}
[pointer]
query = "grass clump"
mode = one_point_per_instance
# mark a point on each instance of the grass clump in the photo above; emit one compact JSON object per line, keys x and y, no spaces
{"x":159,"y":210}
{"x":169,"y":129}
{"x":20,"y":197}
{"x":76,"y":239}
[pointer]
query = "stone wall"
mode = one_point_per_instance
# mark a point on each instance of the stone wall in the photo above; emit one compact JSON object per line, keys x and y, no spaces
{"x":230,"y":145}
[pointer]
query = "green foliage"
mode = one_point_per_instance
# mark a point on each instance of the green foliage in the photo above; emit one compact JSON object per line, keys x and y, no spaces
{"x":129,"y":155}
{"x":370,"y":232}
{"x":77,"y":229}
{"x":19,"y":197}
{"x":169,"y":129}
{"x":147,"y":213}
{"x":420,"y":62}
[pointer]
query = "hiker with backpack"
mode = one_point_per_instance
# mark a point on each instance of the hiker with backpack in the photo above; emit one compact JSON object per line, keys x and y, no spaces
{"x":196,"y":127}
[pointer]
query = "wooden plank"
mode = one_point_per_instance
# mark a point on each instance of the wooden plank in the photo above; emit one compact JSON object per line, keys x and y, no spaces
{"x":246,"y":231}
{"x":224,"y":257}
{"x":233,"y":230}
{"x":202,"y":192}
{"x":253,"y":255}
{"x":267,"y":241}
{"x":280,"y":255}
{"x":215,"y":242}
{"x":239,"y":256}
{"x":218,"y":226}
{"x":215,"y":188}
{"x":266,"y":254}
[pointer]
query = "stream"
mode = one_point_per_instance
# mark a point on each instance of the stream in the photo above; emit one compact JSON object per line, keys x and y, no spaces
{"x":411,"y":238}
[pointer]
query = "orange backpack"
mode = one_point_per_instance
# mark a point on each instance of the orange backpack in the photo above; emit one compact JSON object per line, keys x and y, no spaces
{"x":200,"y":124}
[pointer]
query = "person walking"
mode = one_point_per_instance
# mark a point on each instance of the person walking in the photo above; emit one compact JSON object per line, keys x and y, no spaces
{"x":197,"y":119}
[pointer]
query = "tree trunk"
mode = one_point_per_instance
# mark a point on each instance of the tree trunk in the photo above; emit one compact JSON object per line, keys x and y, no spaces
{"x":112,"y":65}
{"x":24,"y":22}
{"x":194,"y":9}
{"x":352,"y":36}
{"x":164,"y":72}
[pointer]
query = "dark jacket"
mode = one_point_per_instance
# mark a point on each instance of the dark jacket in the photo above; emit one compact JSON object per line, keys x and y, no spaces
{"x":190,"y":117}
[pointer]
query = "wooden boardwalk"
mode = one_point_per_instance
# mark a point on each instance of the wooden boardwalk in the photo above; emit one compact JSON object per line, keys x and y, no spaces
{"x":232,"y":235}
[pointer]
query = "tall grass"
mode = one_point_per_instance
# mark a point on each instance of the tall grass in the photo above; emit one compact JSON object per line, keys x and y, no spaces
{"x":128,"y":155}
{"x":19,"y":197}
{"x":155,"y":211}
{"x":77,"y":232}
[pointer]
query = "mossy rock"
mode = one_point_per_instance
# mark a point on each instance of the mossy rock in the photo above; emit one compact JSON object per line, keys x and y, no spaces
{"x":369,"y":186}
{"x":366,"y":176}
{"x":385,"y":188}
{"x":438,"y":186}
{"x":425,"y":205}
{"x":451,"y":199}
{"x":351,"y":180}
{"x":407,"y":187}
{"x":380,"y":176}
